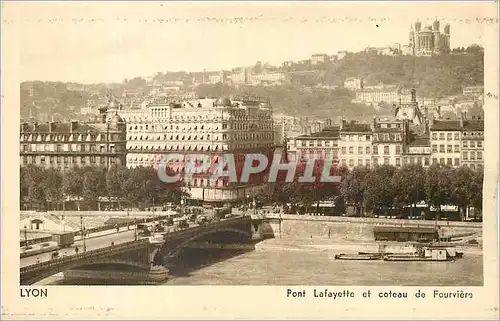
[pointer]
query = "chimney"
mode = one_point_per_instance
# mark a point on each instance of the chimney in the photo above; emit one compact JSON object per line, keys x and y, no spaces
{"x":35,"y":125}
{"x":73,"y":126}
{"x":414,"y":96}
{"x":341,"y":122}
{"x":52,"y":127}
{"x":374,"y":123}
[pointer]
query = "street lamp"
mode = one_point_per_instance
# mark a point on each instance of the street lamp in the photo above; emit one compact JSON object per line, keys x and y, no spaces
{"x":83,"y":233}
{"x":25,"y":236}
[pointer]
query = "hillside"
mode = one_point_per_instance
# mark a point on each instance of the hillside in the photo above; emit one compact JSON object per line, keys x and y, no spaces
{"x":438,"y":76}
{"x":296,"y":100}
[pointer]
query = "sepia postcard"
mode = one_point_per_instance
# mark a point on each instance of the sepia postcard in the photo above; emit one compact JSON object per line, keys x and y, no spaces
{"x":250,"y":160}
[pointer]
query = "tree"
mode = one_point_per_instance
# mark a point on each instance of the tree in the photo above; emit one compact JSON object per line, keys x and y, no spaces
{"x":461,"y":188}
{"x":476,"y":190}
{"x":379,"y":191}
{"x":409,"y":186}
{"x":436,"y":195}
{"x":53,"y":186}
{"x":35,"y":193}
{"x":94,"y":186}
{"x":115,"y":178}
{"x":353,"y":188}
{"x":73,"y":184}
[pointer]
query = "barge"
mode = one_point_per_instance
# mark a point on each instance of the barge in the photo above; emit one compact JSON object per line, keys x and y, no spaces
{"x":418,"y":252}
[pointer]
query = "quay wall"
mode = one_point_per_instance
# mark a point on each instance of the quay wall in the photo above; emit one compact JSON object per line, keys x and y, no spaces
{"x":352,"y":229}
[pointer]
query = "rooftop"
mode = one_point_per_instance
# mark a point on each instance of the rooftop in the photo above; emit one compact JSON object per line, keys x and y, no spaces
{"x":446,"y":125}
{"x":473,"y":125}
{"x":356,"y":127}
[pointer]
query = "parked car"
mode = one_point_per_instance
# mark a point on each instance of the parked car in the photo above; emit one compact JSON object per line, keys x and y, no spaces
{"x":182,"y":224}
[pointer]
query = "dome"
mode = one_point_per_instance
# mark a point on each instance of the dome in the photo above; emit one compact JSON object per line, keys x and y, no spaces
{"x":226,"y":102}
{"x":116,"y":121}
{"x":427,"y":29}
{"x":113,"y":104}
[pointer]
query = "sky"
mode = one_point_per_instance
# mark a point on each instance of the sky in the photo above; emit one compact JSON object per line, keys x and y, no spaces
{"x":107,"y":42}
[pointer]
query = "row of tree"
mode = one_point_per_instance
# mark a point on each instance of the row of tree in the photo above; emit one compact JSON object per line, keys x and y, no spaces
{"x":49,"y":189}
{"x":382,"y":187}
{"x":386,"y":187}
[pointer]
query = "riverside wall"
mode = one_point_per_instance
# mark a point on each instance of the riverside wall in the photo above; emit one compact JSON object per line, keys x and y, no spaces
{"x":351,"y":229}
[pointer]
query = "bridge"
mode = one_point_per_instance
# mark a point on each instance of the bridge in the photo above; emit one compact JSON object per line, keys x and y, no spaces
{"x":143,"y":257}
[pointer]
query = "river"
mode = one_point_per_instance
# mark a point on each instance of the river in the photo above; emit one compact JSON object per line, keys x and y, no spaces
{"x":311,"y":262}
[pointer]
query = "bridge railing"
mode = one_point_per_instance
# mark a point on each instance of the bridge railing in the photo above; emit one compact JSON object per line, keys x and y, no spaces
{"x":208,"y":226}
{"x":80,"y":256}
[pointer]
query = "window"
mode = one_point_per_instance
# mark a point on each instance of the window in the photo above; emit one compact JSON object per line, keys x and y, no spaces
{"x":51,"y":159}
{"x":479,"y":155}
{"x":368,"y":149}
{"x":42,"y":160}
{"x":434,"y":136}
{"x":386,"y":150}
{"x":457,"y":136}
{"x":472,"y":144}
{"x":360,"y":162}
{"x":464,"y":144}
{"x":103,"y":160}
{"x":82,"y":148}
{"x":375,"y":150}
{"x":472,"y":155}
{"x":368,"y":162}
{"x":434,"y":148}
{"x":351,"y":150}
{"x":360,"y":150}
{"x":398,"y":161}
{"x":386,"y":160}
{"x":441,"y":136}
{"x":25,"y":159}
{"x":457,"y":148}
{"x":434,"y":161}
{"x":367,"y":137}
{"x":419,"y":161}
{"x":344,"y":151}
{"x":449,"y":148}
{"x":398,"y":149}
{"x":82,"y":160}
{"x":344,"y":162}
{"x":465,"y":155}
{"x":25,"y":148}
{"x":441,"y":148}
{"x":375,"y":161}
{"x":58,"y":160}
{"x":448,"y":136}
{"x":426,"y":161}
{"x":441,"y":161}
{"x":479,"y":144}
{"x":327,"y":143}
{"x":457,"y":161}
{"x":73,"y":160}
{"x":449,"y":161}
{"x":351,"y":162}
{"x":92,"y":159}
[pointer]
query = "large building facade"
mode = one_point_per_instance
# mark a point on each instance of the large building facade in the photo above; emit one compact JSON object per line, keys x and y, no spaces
{"x":398,"y":143}
{"x":207,"y":126}
{"x":429,"y":40}
{"x":65,"y":145}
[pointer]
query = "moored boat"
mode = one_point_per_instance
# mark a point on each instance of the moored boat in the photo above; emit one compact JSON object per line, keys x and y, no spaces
{"x":358,"y":257}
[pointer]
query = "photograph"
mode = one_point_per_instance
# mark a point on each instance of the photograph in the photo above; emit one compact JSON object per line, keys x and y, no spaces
{"x":365,"y":163}
{"x":319,"y":159}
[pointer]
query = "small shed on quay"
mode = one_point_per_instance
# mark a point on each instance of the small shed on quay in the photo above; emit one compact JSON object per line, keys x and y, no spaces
{"x":405,"y":234}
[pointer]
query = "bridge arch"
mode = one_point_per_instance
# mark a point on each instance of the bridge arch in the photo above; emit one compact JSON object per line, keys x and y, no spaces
{"x":167,"y":252}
